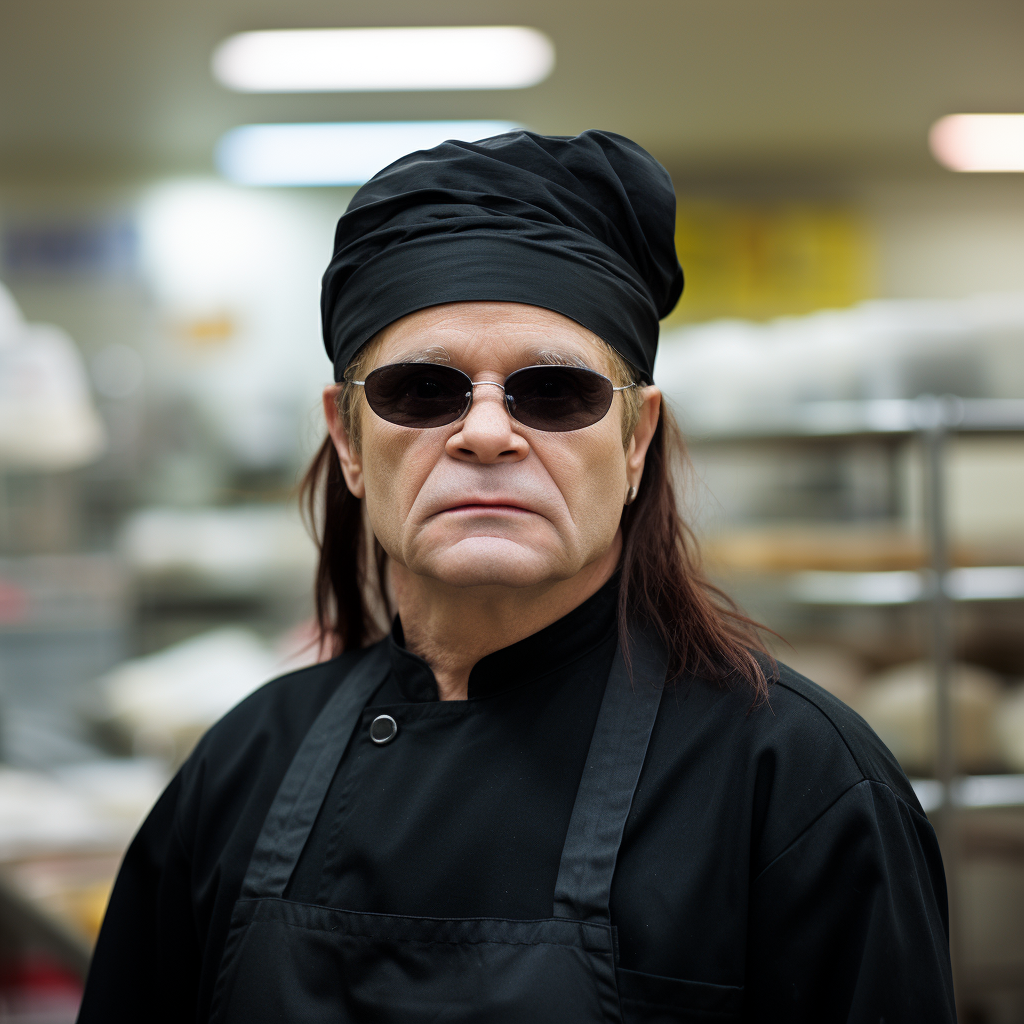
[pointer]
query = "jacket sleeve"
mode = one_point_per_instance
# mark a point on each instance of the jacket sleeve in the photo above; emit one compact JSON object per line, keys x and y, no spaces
{"x":849,"y":922}
{"x":147,"y":960}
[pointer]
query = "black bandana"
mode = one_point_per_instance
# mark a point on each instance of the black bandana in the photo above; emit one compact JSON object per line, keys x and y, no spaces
{"x":583,"y":226}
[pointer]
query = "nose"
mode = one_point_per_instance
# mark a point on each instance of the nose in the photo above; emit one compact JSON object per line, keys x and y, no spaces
{"x":486,"y":434}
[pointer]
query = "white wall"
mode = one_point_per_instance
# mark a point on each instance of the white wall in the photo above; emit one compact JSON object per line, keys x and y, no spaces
{"x":947,"y":237}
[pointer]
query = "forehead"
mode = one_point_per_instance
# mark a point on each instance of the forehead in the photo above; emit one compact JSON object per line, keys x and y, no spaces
{"x":498,"y":336}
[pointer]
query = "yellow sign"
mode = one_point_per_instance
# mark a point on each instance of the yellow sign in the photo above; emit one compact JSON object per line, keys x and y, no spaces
{"x":759,"y":262}
{"x":211,"y":331}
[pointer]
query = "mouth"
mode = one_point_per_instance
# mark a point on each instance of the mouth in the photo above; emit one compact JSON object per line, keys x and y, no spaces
{"x":488,"y":507}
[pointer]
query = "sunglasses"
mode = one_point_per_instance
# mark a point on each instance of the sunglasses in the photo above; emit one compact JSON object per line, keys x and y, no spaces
{"x":551,"y":397}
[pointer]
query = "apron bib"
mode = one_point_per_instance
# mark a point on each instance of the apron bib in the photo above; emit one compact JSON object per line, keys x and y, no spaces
{"x":296,"y":962}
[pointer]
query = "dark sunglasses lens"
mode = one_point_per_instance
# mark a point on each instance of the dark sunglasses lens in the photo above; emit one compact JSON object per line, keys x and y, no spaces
{"x":417,"y":394}
{"x":558,"y":397}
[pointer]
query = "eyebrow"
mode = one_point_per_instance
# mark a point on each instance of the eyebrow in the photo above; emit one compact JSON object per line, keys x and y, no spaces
{"x":542,"y":357}
{"x":434,"y":354}
{"x":556,"y":357}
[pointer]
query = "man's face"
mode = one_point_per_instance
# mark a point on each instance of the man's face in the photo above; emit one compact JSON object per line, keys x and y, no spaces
{"x":487,"y":500}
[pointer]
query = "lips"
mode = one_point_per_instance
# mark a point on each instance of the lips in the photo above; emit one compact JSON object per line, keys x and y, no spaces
{"x":465,"y":490}
{"x":477,"y":505}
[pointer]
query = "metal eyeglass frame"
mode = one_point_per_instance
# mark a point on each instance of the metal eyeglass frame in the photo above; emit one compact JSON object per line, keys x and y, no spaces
{"x":494,"y":383}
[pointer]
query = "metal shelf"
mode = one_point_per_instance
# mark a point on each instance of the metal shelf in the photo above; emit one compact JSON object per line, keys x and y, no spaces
{"x":889,"y":417}
{"x":906,"y":586}
{"x":930,"y":420}
{"x":973,"y":791}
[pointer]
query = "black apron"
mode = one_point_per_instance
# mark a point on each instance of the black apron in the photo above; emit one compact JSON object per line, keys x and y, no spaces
{"x":296,"y":962}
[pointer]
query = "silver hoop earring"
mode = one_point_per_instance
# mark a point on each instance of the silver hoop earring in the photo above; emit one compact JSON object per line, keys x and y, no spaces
{"x":630,"y":496}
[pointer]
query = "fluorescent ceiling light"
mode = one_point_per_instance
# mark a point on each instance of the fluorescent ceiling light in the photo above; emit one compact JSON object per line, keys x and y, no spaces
{"x":384,"y":59}
{"x":334,"y":154}
{"x":979,"y":142}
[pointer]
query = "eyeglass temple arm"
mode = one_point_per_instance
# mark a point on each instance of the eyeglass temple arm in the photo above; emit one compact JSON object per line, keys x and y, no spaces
{"x":473,"y":383}
{"x":477,"y":383}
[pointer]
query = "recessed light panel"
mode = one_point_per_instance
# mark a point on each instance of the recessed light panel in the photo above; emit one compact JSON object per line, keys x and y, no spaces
{"x":384,"y":59}
{"x":334,"y":154}
{"x":979,"y":142}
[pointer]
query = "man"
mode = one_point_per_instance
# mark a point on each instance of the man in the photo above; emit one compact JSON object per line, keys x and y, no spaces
{"x":568,"y":786}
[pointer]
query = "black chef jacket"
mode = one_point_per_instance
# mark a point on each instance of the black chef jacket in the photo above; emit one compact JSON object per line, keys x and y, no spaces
{"x":779,"y":850}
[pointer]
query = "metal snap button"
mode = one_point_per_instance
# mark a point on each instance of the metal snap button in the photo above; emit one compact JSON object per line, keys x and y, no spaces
{"x":383,"y":729}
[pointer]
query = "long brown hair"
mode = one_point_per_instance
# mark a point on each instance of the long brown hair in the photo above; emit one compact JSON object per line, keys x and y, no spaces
{"x":662,"y":585}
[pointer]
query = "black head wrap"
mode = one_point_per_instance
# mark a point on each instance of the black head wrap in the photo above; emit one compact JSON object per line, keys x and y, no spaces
{"x":583,"y":226}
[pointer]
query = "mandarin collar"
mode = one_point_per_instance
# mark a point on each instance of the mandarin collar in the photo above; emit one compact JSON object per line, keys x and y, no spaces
{"x":552,"y":648}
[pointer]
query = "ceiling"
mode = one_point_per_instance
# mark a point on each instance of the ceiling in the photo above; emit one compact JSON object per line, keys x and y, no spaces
{"x":122,"y":87}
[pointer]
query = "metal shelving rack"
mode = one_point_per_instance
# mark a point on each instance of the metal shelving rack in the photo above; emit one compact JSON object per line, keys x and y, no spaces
{"x":932,"y":420}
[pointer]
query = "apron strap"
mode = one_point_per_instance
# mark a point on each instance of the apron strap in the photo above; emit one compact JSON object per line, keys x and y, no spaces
{"x":616,"y":757}
{"x":302,"y":792}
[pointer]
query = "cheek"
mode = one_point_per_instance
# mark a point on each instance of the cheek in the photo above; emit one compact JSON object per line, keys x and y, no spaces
{"x":395,"y":464}
{"x":590,"y":473}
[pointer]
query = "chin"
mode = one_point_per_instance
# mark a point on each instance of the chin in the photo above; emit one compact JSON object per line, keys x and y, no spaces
{"x":493,"y":562}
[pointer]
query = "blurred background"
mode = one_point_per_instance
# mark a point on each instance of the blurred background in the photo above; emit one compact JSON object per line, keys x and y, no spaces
{"x":847,"y":360}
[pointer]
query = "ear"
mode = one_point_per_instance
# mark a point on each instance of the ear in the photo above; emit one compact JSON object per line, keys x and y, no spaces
{"x":351,"y":463}
{"x":636,"y":450}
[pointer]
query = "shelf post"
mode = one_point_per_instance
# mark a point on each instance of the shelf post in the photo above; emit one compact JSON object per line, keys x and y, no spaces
{"x":936,"y":417}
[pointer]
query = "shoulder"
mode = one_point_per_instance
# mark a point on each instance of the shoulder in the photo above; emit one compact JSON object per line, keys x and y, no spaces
{"x":798,"y":721}
{"x":242,"y":759}
{"x":780,"y":764}
{"x":287,"y":705}
{"x":803,"y":712}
